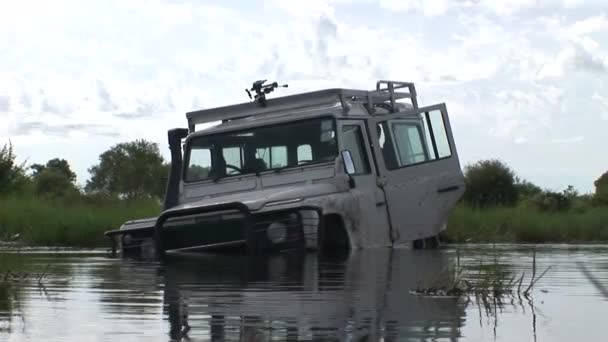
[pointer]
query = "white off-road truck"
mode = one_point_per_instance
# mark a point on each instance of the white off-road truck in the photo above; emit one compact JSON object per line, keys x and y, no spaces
{"x":329,"y":169}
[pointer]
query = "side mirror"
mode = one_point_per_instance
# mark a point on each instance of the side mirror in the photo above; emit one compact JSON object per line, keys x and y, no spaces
{"x":349,"y":165}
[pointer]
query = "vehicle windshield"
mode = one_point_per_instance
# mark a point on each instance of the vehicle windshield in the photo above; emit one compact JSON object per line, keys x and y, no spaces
{"x":260,"y":149}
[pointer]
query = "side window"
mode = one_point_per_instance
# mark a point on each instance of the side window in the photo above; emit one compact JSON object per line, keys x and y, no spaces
{"x":278,"y":156}
{"x":353,"y":141}
{"x":200,"y":164}
{"x":273,"y":156}
{"x":442,"y":145}
{"x":413,"y":140}
{"x":232,"y":156}
{"x":264,"y":154}
{"x":304,"y":153}
{"x":408,"y":142}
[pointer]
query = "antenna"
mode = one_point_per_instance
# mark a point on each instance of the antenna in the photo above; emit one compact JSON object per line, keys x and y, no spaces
{"x":261,"y":90}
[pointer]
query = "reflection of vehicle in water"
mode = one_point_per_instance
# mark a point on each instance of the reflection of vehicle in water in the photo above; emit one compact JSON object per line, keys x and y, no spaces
{"x":331,"y":168}
{"x":304,"y":297}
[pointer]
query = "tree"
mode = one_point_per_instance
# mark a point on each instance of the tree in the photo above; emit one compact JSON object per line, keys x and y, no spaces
{"x":60,"y":166}
{"x":489,"y":183}
{"x":52,"y":183}
{"x":12,"y":175}
{"x":601,"y":189}
{"x":55,"y":178}
{"x":130,"y":170}
{"x":526,"y":189}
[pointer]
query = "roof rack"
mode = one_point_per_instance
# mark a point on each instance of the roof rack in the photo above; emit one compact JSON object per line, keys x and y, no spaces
{"x":392,"y":85}
{"x":384,"y":96}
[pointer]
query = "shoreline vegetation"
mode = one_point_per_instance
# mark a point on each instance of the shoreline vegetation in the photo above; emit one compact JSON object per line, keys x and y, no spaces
{"x":41,"y":204}
{"x":35,"y":221}
{"x":526,"y":225}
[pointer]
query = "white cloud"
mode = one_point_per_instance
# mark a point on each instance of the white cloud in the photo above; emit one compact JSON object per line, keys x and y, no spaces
{"x":134,"y":67}
{"x":573,"y":58}
{"x":604,"y":105}
{"x":568,"y":140}
{"x":588,"y":25}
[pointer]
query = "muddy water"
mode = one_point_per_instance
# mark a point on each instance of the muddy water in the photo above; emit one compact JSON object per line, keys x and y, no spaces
{"x":85,"y":296}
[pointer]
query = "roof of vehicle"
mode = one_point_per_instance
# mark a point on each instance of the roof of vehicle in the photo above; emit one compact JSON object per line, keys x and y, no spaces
{"x":328,"y":97}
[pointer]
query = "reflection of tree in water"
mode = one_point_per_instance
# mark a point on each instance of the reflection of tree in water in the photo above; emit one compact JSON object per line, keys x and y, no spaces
{"x":23,"y":275}
{"x":6,"y":306}
{"x":290,"y":297}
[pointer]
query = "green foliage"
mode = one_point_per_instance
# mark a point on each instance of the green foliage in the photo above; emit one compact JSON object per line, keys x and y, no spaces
{"x":525,"y":225}
{"x":526,"y":189}
{"x":44,"y":222}
{"x":12,"y":175}
{"x":54,"y":184}
{"x":55,"y":179}
{"x":601,"y":190}
{"x":551,"y":201}
{"x":130,"y":170}
{"x":547,"y":200}
{"x":57,"y":165}
{"x":489,"y":183}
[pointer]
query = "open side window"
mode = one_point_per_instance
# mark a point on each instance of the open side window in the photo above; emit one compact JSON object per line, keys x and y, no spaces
{"x":414,"y":137}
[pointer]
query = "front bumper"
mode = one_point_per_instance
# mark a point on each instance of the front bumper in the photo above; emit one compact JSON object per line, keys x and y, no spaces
{"x":227,"y":227}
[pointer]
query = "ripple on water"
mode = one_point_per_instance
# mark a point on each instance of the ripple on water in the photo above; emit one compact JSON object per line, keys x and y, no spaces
{"x":86,"y":296}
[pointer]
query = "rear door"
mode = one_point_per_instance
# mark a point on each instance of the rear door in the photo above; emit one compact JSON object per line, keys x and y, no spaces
{"x":419,"y":170}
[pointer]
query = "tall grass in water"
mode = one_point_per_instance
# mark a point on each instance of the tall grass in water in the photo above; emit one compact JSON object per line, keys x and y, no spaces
{"x":77,"y":223}
{"x":521,"y":224}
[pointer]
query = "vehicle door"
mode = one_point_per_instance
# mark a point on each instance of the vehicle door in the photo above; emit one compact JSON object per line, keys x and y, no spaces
{"x":372,"y":217}
{"x":419,"y":170}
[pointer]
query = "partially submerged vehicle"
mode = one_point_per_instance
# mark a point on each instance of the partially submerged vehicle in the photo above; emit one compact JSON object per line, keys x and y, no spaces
{"x":330,"y":169}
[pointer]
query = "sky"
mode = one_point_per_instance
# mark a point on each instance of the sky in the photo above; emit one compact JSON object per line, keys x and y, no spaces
{"x":525,"y":81}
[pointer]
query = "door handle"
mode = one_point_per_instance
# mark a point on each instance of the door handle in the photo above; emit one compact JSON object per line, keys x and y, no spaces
{"x":448,"y":189}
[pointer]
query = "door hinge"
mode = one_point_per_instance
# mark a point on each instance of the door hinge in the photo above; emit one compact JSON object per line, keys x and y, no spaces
{"x":381,"y":181}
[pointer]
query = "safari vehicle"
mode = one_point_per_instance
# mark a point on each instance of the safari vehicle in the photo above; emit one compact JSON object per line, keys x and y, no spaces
{"x":330,"y":169}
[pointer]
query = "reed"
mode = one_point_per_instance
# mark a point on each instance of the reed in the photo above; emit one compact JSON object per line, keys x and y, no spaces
{"x":43,"y":222}
{"x":527,"y":225}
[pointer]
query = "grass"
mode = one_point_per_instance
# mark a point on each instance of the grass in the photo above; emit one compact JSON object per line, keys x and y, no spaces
{"x":526,"y":225}
{"x":44,"y":222}
{"x":81,"y":223}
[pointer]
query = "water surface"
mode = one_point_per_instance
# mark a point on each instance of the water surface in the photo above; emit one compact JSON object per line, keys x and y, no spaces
{"x":85,"y":296}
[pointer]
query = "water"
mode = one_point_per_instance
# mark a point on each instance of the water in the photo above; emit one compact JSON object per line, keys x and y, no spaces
{"x":85,"y":296}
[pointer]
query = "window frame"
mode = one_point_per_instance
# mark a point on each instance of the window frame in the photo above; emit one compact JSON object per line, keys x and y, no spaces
{"x":424,"y":113}
{"x":364,"y":150}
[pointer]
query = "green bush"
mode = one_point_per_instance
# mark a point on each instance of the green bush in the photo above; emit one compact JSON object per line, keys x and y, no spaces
{"x":489,"y":183}
{"x":12,"y":175}
{"x":526,"y":189}
{"x":52,"y":184}
{"x":517,"y":224}
{"x":601,"y":190}
{"x":551,"y":201}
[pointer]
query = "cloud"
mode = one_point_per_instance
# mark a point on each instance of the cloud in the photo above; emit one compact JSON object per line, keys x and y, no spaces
{"x":588,"y":25}
{"x":5,"y":104}
{"x":105,"y":100}
{"x":573,"y":58}
{"x":603,"y":101}
{"x":433,"y":8}
{"x":64,"y":130}
{"x":506,"y":69}
{"x":568,"y":140}
{"x":428,"y":7}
